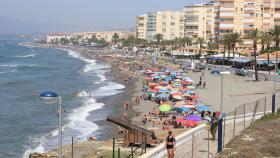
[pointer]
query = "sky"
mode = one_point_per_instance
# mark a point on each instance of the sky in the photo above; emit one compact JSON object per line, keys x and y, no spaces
{"x":77,"y":15}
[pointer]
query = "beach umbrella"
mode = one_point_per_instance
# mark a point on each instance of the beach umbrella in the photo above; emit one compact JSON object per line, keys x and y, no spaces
{"x":190,"y":91}
{"x":190,"y":123}
{"x":173,"y":74}
{"x":162,"y":83}
{"x":185,"y":109}
{"x":178,"y":97}
{"x":156,"y":77}
{"x":153,"y":85}
{"x":202,"y":108}
{"x":185,"y":89}
{"x":169,"y":87}
{"x":147,"y":78}
{"x":176,"y":93}
{"x":181,"y":120}
{"x":189,"y":106}
{"x":191,"y":87}
{"x":194,"y":96}
{"x":163,"y":95}
{"x":177,"y":80}
{"x":167,"y":78}
{"x":193,"y":118}
{"x":177,"y":109}
{"x":180,"y":104}
{"x":186,"y":95}
{"x":152,"y":91}
{"x":164,"y":107}
{"x":163,"y":90}
{"x":185,"y":82}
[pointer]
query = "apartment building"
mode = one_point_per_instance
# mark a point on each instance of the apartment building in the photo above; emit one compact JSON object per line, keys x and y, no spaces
{"x":200,"y":20}
{"x":168,"y":23}
{"x":243,"y":16}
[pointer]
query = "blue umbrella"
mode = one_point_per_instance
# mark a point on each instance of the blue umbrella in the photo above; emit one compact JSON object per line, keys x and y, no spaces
{"x":163,"y":90}
{"x":185,"y":109}
{"x":167,"y":78}
{"x":202,"y":108}
{"x":163,"y":95}
{"x":190,"y":92}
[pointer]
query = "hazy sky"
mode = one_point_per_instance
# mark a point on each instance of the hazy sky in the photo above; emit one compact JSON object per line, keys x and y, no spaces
{"x":89,"y":14}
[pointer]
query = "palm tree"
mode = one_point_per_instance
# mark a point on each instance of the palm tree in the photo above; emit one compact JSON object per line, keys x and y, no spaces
{"x":210,"y":43}
{"x":255,"y":36}
{"x":158,"y":37}
{"x":265,"y":39}
{"x":226,"y":42}
{"x":115,"y":38}
{"x":188,"y":41}
{"x":276,"y":34}
{"x":234,"y":38}
{"x":200,"y":41}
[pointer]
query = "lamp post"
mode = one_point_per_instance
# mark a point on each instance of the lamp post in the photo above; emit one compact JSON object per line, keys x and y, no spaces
{"x":274,"y":84}
{"x":217,"y":73}
{"x":51,"y":98}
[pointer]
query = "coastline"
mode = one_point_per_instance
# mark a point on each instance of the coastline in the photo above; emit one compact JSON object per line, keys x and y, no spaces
{"x":114,"y":102}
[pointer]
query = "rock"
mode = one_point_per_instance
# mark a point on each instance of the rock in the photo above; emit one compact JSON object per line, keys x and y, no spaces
{"x":43,"y":155}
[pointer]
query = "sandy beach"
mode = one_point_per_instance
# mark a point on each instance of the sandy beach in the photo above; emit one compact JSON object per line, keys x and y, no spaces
{"x":237,"y":91}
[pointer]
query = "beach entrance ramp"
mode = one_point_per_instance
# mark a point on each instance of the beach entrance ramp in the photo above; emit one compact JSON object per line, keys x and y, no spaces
{"x":134,"y":134}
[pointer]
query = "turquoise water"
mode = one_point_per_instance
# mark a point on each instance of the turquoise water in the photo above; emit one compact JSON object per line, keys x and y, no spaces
{"x":28,"y":125}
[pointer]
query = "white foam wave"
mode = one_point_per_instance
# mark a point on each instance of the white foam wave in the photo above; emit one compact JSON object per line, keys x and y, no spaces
{"x":111,"y":89}
{"x":16,"y":65}
{"x":26,"y":56}
{"x":38,"y":149}
{"x":78,"y":117}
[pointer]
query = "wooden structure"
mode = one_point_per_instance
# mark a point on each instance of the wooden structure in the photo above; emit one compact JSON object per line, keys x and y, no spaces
{"x":134,"y":134}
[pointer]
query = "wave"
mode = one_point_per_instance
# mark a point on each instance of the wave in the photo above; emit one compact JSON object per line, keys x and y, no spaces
{"x":16,"y":65}
{"x":26,"y":56}
{"x":4,"y":72}
{"x":111,"y":89}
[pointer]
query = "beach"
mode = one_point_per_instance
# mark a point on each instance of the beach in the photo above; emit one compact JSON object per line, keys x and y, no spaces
{"x":237,"y":91}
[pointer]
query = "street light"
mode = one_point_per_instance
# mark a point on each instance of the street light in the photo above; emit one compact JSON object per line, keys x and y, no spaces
{"x":217,"y":73}
{"x":274,"y":84}
{"x":49,"y":97}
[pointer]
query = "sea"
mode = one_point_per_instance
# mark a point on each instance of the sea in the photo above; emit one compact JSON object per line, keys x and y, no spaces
{"x":27,"y":124}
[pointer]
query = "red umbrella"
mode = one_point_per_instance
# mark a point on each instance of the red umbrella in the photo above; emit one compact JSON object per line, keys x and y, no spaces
{"x":194,"y":96}
{"x":162,"y":83}
{"x":181,"y":120}
{"x":147,"y":78}
{"x":185,"y":89}
{"x":185,"y":82}
{"x":176,"y":93}
{"x":190,"y":123}
{"x":152,"y":90}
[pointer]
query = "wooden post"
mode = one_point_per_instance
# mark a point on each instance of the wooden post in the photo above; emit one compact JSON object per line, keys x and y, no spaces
{"x":193,"y":146}
{"x":234,"y":122}
{"x":244,"y":116}
{"x":132,"y":151}
{"x":119,"y":153}
{"x":113,"y":147}
{"x":224,"y":132}
{"x":264,"y":106}
{"x":208,"y":144}
{"x":145,"y":143}
{"x":72,"y":148}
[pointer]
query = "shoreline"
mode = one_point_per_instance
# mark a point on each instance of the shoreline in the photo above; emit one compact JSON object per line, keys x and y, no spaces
{"x":107,"y":130}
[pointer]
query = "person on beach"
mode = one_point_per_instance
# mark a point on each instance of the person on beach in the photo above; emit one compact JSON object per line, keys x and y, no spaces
{"x":124,"y":115}
{"x":170,"y":144}
{"x":125,"y":104}
{"x":213,"y":125}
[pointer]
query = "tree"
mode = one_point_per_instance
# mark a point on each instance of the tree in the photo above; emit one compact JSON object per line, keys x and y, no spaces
{"x":255,"y":36}
{"x":115,"y":38}
{"x":234,"y":38}
{"x":265,"y":39}
{"x":275,"y":32}
{"x":200,"y":41}
{"x":210,"y":43}
{"x":158,"y":37}
{"x":189,"y":41}
{"x":226,"y":43}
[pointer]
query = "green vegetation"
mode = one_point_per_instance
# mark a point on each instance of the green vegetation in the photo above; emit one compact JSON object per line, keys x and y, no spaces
{"x":269,"y":117}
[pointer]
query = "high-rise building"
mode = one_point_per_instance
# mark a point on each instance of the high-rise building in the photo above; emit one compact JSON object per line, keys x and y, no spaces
{"x":243,"y":16}
{"x":200,"y":20}
{"x":168,"y":23}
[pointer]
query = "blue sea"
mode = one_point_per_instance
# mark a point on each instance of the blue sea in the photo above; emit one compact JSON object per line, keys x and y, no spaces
{"x":26,"y":124}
